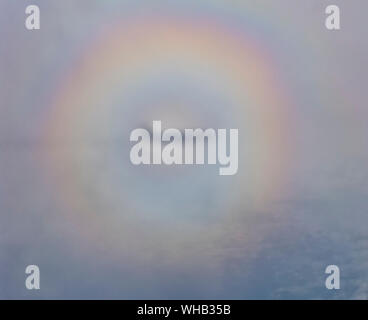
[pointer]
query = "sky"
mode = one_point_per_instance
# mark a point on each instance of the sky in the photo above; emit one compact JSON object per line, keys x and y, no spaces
{"x":99,"y":227}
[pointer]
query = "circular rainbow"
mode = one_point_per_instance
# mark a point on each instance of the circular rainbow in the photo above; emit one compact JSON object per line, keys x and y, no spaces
{"x":189,"y":73}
